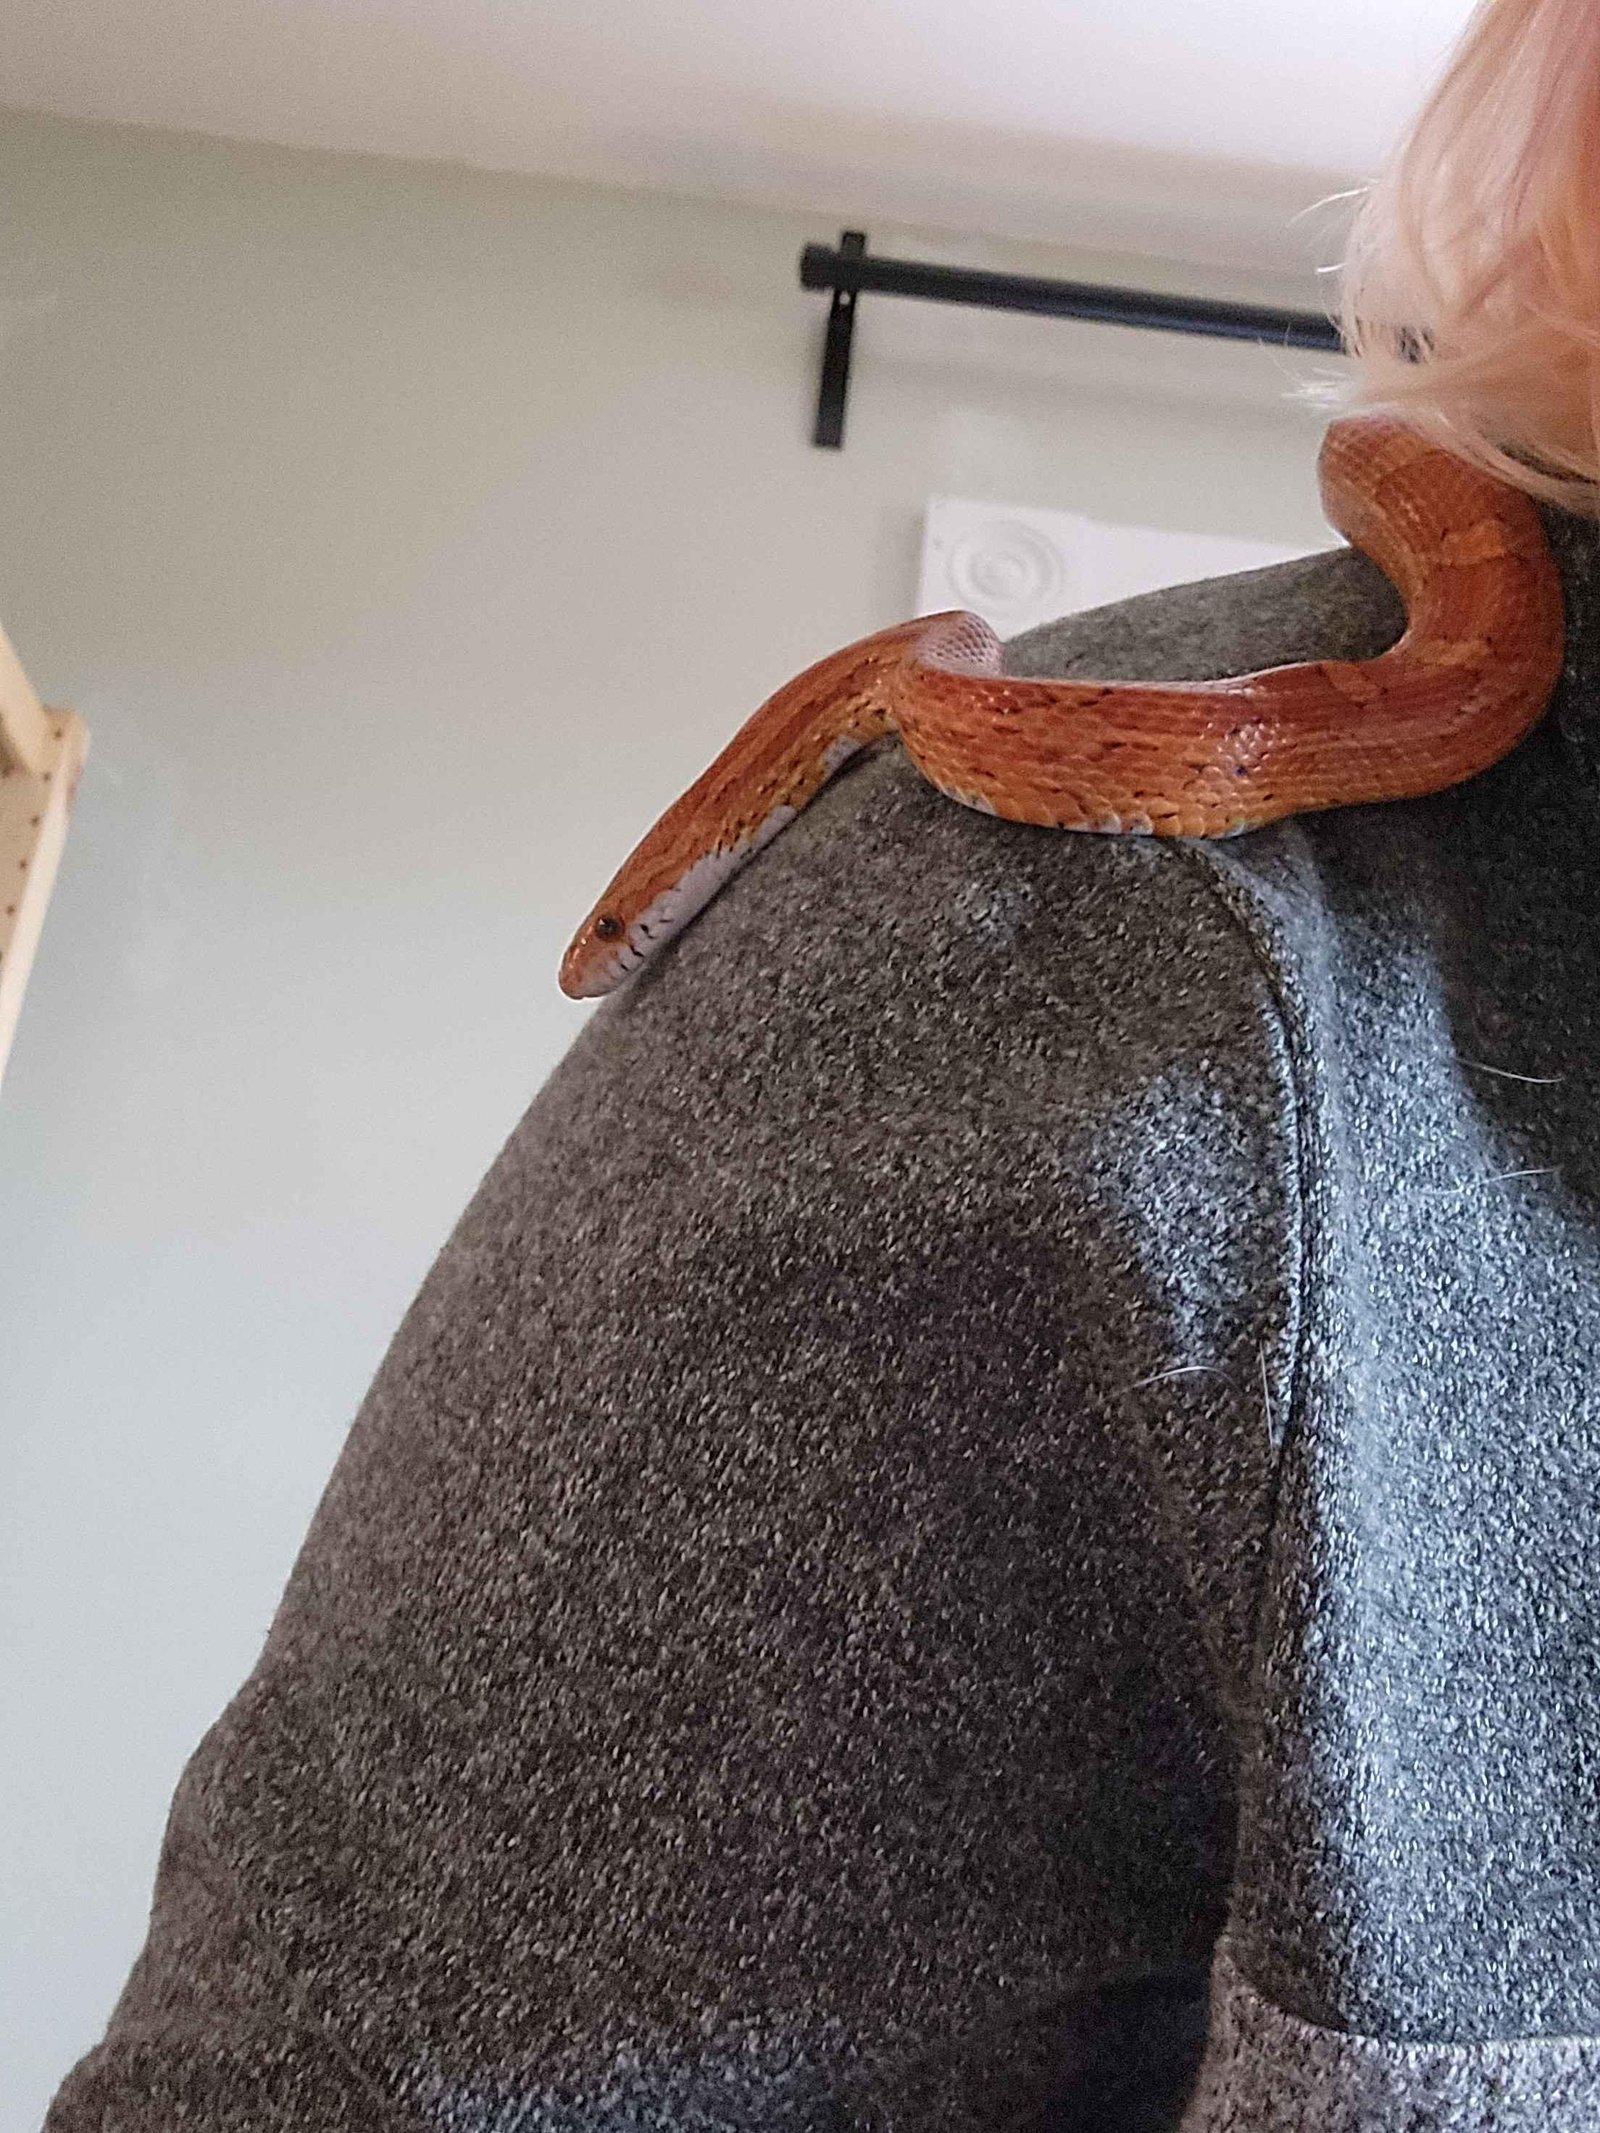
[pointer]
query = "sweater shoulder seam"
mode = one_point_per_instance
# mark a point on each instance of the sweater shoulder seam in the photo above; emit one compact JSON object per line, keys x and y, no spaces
{"x":1243,"y":920}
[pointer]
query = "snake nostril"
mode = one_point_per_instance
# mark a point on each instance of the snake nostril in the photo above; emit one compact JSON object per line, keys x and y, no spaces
{"x":607,"y":927}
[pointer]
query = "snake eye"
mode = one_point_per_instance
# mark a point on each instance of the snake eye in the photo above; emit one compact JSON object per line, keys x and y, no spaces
{"x":607,"y":927}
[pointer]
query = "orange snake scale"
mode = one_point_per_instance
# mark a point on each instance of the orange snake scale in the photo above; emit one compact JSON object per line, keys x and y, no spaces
{"x":1471,"y":675}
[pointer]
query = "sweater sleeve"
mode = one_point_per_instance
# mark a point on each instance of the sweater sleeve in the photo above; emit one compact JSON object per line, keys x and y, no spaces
{"x":765,"y":1655}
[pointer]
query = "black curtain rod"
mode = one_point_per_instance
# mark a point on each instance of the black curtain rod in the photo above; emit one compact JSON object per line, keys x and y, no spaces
{"x":848,"y":271}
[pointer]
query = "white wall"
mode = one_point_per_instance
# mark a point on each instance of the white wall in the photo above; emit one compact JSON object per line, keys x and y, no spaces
{"x":408,"y":537}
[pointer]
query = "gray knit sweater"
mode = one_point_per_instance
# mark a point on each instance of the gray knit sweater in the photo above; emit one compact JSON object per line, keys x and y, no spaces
{"x":989,"y":1520}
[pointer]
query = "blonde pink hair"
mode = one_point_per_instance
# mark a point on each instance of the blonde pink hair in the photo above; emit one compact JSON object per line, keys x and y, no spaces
{"x":1471,"y":296}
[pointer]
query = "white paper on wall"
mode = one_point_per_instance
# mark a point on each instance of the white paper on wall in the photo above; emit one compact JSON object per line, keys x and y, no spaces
{"x":1016,"y":564}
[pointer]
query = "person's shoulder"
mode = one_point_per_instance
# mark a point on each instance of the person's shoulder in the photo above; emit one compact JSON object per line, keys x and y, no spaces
{"x":1332,"y":605}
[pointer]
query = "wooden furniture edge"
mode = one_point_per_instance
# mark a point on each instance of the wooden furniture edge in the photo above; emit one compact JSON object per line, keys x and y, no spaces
{"x":35,"y":808}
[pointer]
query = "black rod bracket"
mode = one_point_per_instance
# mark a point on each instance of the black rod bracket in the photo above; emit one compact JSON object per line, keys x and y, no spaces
{"x":848,"y":271}
{"x":834,"y":388}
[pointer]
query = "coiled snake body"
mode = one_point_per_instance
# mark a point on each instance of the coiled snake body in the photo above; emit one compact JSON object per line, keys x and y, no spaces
{"x":1471,"y":675}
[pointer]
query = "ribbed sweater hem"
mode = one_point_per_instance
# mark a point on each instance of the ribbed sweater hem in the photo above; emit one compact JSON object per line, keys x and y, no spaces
{"x":1268,"y":2071}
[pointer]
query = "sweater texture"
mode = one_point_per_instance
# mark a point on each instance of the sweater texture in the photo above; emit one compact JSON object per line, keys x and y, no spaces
{"x":988,"y":1522}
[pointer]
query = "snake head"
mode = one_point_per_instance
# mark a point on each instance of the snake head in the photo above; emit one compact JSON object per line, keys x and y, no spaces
{"x":600,"y":955}
{"x":651,"y":901}
{"x":773,"y":765}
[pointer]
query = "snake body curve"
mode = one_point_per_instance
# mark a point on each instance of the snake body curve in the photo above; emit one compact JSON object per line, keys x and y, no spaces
{"x":1469,"y":677}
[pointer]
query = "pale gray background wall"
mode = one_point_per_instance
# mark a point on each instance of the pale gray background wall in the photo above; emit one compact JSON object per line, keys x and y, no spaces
{"x":408,"y":536}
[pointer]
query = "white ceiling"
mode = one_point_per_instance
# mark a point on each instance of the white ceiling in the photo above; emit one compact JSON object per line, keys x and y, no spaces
{"x":1188,"y":126}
